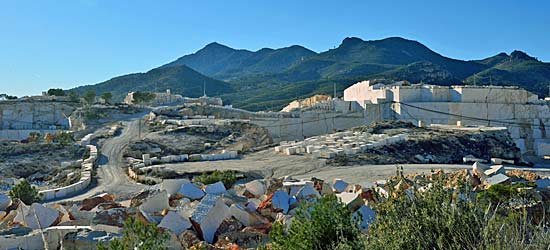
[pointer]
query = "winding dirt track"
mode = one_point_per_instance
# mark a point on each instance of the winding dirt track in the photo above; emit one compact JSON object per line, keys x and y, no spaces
{"x":111,"y":177}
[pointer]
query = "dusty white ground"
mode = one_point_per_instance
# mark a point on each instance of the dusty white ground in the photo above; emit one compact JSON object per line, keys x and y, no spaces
{"x":268,"y":163}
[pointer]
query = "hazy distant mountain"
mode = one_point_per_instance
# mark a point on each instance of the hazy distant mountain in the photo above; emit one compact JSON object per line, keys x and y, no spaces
{"x":269,"y":78}
{"x":179,"y":79}
{"x":225,"y":63}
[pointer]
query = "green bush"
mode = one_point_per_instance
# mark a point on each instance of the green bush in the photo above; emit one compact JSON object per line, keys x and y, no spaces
{"x":25,"y":192}
{"x":322,"y":224}
{"x":443,"y":218}
{"x":228,"y":178}
{"x":138,"y":235}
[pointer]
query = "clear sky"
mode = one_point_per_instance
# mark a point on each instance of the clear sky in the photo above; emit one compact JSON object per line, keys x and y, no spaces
{"x":46,"y":44}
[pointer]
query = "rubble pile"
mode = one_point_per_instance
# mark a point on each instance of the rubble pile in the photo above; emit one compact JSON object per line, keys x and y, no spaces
{"x":196,"y":215}
{"x":434,"y":145}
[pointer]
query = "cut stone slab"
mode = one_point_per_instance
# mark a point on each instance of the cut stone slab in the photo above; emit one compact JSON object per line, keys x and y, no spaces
{"x":175,"y":223}
{"x":253,"y":204}
{"x":339,"y":185}
{"x":209,"y":215}
{"x":366,"y":215}
{"x":292,"y":187}
{"x":191,"y":191}
{"x":155,"y":203}
{"x":479,"y":169}
{"x":173,"y":185}
{"x":352,"y":200}
{"x":5,"y":202}
{"x":215,"y":188}
{"x":245,"y":217}
{"x":307,"y":192}
{"x":40,"y":217}
{"x":494,"y":170}
{"x":496,"y":179}
{"x":280,"y":200}
{"x":256,"y":188}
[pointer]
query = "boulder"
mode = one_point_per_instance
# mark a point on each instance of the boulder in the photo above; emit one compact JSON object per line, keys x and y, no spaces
{"x":173,"y":185}
{"x":244,"y":216}
{"x":339,"y":186}
{"x":352,"y":200}
{"x":366,"y":215}
{"x":191,"y":191}
{"x":496,"y":179}
{"x":175,"y":223}
{"x":280,"y":200}
{"x":479,"y":170}
{"x":155,"y":203}
{"x":5,"y":202}
{"x":208,"y":216}
{"x":90,"y":203}
{"x":40,"y":217}
{"x":86,"y":239}
{"x":307,"y":192}
{"x":215,"y":188}
{"x":256,"y":188}
{"x":113,"y":217}
{"x":494,"y":170}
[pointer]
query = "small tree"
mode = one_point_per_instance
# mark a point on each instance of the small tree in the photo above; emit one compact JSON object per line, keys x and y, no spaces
{"x":143,"y":97}
{"x":7,"y":97}
{"x":137,"y":235}
{"x":325,"y":223}
{"x":25,"y":192}
{"x":90,"y":97}
{"x":56,"y":92}
{"x":64,"y":138}
{"x":34,"y":137}
{"x":107,"y":96}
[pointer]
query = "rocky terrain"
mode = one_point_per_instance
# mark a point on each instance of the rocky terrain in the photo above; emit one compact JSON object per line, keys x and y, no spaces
{"x":434,"y":145}
{"x":196,"y":215}
{"x":38,"y":161}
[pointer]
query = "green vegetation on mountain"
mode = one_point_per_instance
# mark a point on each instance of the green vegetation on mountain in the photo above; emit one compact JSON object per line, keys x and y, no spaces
{"x":179,"y":79}
{"x":270,"y":78}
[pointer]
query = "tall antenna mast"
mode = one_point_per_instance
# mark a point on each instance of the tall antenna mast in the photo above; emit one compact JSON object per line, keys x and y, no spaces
{"x":334,"y":90}
{"x":204,"y":88}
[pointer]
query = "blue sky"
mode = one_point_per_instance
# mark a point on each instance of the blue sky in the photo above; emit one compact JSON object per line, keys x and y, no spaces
{"x":46,"y":44}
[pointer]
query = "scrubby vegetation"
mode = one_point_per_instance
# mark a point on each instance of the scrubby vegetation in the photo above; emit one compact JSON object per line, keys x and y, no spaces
{"x":322,"y":224}
{"x":138,"y":235}
{"x":228,"y":177}
{"x":447,"y":218}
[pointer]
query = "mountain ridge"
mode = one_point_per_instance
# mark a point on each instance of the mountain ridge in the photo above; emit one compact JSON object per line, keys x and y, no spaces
{"x":271,"y":77}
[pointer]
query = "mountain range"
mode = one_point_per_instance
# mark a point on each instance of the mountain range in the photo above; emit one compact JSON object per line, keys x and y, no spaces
{"x":269,"y":78}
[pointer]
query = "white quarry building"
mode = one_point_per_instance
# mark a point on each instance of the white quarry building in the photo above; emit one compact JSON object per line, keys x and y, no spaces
{"x":526,"y":117}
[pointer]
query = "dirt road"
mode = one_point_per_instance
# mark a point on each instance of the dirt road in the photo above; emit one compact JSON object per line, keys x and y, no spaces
{"x":111,"y":177}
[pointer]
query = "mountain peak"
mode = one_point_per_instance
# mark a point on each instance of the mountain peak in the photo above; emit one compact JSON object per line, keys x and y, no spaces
{"x":216,"y":46}
{"x":351,"y":41}
{"x":520,"y":55}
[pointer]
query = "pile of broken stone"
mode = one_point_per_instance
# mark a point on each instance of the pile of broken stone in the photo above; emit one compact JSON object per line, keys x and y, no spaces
{"x":193,"y":214}
{"x":196,"y":215}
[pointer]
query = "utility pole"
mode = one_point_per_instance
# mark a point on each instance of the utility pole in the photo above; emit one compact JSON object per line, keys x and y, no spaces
{"x":139,"y":129}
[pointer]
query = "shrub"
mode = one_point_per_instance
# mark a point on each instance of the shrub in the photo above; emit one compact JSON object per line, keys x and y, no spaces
{"x":228,"y":178}
{"x":325,"y":223}
{"x":443,"y":218}
{"x":138,"y":235}
{"x":25,"y":192}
